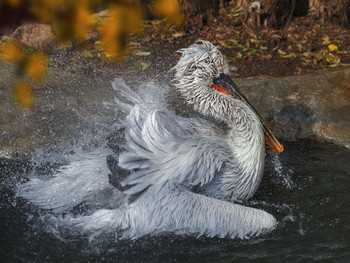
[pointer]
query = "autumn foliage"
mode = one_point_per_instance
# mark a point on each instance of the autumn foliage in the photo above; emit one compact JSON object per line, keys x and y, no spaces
{"x":72,"y":21}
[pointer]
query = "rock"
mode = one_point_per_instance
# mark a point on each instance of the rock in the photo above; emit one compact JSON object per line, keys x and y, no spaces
{"x":295,"y":122}
{"x":42,"y":36}
{"x":68,"y":105}
{"x":65,"y":106}
{"x":39,"y":36}
{"x":298,"y":107}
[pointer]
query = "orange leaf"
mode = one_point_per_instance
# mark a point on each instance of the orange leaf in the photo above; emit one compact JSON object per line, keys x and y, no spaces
{"x":122,"y":20}
{"x":11,"y":51}
{"x":82,"y":23}
{"x":36,"y":66}
{"x":333,"y":47}
{"x":23,"y":95}
{"x":169,"y":9}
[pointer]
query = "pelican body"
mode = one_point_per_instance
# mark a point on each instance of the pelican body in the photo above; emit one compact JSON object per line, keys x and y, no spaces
{"x":185,"y":175}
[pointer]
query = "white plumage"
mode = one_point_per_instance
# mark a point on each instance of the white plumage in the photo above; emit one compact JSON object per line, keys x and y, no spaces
{"x":185,"y":173}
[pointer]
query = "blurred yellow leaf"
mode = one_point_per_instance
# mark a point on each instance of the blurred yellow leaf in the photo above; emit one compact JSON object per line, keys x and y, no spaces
{"x":326,"y":40}
{"x":36,"y":66}
{"x":88,"y":54}
{"x":332,"y":47}
{"x":236,"y":11}
{"x":45,"y":10}
{"x":255,"y":41}
{"x":223,"y":44}
{"x":281,"y":52}
{"x":334,"y":56}
{"x":141,"y":53}
{"x":141,"y":66}
{"x":134,"y":43}
{"x":83,"y":21}
{"x":12,"y":52}
{"x":169,"y":9}
{"x":178,"y":34}
{"x":329,"y":59}
{"x":229,"y":59}
{"x":23,"y":95}
{"x":73,"y":20}
{"x":286,"y":56}
{"x":123,"y":19}
{"x":166,"y":7}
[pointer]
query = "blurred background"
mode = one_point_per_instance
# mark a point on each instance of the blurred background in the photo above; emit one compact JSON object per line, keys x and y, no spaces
{"x":258,"y":38}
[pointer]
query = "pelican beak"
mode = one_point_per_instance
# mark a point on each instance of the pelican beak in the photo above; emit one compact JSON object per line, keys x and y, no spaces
{"x":226,"y":85}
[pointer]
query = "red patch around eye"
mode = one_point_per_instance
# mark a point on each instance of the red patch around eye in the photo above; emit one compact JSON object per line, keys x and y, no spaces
{"x":218,"y":88}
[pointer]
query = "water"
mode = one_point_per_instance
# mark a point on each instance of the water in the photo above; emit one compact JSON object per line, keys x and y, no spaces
{"x":306,"y":188}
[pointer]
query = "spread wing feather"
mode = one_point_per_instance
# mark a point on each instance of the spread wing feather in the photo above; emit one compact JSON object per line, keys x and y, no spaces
{"x":167,"y":147}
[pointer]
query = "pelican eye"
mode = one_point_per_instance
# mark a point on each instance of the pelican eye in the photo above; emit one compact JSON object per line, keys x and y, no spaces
{"x":221,"y":68}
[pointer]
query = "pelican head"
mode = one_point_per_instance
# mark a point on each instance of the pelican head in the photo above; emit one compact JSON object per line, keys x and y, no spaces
{"x":200,"y":64}
{"x":201,"y":76}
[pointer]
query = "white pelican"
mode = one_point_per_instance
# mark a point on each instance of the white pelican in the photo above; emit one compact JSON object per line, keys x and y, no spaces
{"x":182,"y":175}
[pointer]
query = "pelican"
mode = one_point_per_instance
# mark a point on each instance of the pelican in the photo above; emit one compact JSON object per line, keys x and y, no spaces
{"x":177,"y":174}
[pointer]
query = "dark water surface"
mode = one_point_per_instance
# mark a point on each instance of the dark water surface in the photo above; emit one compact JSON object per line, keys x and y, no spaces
{"x":306,"y":188}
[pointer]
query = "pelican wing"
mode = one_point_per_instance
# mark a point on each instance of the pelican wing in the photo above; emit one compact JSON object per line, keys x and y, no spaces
{"x":167,"y":147}
{"x":170,"y":207}
{"x":84,"y":179}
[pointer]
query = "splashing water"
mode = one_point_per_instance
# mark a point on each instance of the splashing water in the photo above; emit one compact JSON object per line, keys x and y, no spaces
{"x":284,"y":177}
{"x":311,"y":205}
